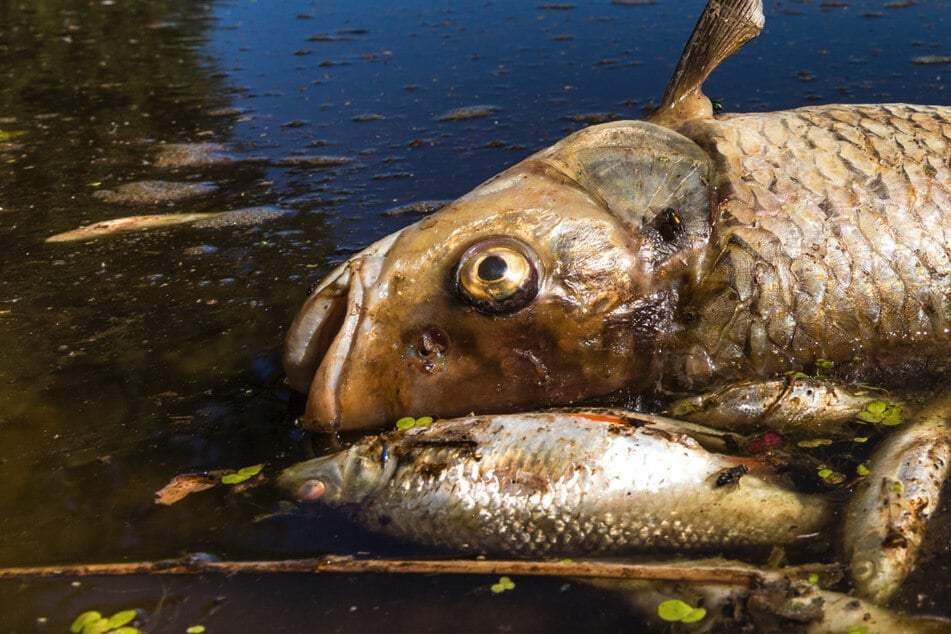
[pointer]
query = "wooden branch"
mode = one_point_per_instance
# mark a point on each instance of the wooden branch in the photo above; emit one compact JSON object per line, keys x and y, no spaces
{"x":196,"y":564}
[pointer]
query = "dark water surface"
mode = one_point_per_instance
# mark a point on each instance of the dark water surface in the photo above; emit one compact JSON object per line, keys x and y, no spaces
{"x":127,"y":360}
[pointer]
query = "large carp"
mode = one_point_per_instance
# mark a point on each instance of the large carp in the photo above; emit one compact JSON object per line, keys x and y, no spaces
{"x":652,"y":257}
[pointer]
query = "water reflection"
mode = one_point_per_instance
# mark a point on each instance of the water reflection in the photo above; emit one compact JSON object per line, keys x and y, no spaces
{"x":126,"y":361}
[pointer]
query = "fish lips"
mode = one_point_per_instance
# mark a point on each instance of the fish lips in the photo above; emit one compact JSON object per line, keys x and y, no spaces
{"x":317,"y":348}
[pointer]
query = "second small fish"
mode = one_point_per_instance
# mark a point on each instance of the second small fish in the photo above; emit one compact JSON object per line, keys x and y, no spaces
{"x":556,"y":483}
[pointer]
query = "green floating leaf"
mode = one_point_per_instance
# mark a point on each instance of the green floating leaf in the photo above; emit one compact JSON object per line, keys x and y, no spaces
{"x":862,"y":470}
{"x":896,"y":486}
{"x":830,"y":476}
{"x":673,"y":610}
{"x":99,"y":626}
{"x":696,"y":615}
{"x":83,"y":619}
{"x":857,"y":629}
{"x":796,"y":374}
{"x":825,"y":364}
{"x":892,"y":417}
{"x":195,"y":629}
{"x":128,"y":629}
{"x":881,"y":412}
{"x":122,"y":618}
{"x":860,"y":439}
{"x":245,"y":473}
{"x":503,"y":584}
{"x":408,"y":421}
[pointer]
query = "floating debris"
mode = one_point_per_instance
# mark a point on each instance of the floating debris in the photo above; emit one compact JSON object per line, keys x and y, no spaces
{"x":154,"y":192}
{"x":314,"y":161}
{"x":185,"y":484}
{"x":246,"y":217}
{"x":468,"y":112}
{"x":212,"y":220}
{"x":420,"y":207}
{"x":932,"y":59}
{"x":191,"y":155}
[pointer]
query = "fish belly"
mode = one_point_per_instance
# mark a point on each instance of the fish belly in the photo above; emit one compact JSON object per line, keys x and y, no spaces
{"x":545,"y":487}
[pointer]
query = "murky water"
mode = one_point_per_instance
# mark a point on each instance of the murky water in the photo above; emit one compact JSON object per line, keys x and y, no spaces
{"x":127,"y":360}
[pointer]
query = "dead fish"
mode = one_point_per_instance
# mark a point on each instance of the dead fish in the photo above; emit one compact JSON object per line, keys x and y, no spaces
{"x":557,"y":483}
{"x":211,"y":220}
{"x":888,"y":514}
{"x":799,"y":406}
{"x":652,"y":257}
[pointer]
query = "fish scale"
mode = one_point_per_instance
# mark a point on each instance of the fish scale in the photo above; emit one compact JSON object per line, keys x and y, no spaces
{"x":830,"y":231}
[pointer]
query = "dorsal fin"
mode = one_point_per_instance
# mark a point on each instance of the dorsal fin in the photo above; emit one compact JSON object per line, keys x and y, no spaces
{"x":723,"y":28}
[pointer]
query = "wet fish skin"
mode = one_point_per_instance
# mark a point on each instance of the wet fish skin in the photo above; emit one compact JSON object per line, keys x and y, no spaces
{"x":888,"y":514}
{"x":672,"y":255}
{"x":203,"y":220}
{"x":555,"y":483}
{"x":795,"y":406}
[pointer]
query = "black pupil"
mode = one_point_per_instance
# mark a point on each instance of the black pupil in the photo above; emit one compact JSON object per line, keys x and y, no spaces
{"x":492,"y":268}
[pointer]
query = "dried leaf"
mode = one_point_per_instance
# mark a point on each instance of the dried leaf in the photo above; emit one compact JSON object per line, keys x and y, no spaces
{"x":184,"y":484}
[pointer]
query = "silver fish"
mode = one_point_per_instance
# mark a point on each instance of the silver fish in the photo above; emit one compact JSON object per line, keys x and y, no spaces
{"x":557,"y":483}
{"x":652,"y":257}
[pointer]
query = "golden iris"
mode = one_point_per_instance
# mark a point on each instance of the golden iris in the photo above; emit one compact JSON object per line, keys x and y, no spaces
{"x":497,"y":276}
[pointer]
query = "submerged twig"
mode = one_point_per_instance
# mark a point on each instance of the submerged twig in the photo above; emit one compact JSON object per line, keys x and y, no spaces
{"x":196,"y":564}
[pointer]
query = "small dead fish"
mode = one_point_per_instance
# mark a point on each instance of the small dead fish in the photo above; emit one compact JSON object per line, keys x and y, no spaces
{"x":210,"y":220}
{"x":556,"y":483}
{"x":888,"y":514}
{"x":796,"y":406}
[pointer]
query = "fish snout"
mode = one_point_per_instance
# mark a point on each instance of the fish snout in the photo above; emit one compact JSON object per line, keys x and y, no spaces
{"x":312,"y":480}
{"x":320,"y":338}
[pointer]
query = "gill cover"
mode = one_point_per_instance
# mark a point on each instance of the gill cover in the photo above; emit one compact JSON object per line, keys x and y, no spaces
{"x":650,"y":178}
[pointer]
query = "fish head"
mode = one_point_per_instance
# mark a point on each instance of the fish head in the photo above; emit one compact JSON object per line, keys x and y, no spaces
{"x":549,"y":284}
{"x":345,"y":477}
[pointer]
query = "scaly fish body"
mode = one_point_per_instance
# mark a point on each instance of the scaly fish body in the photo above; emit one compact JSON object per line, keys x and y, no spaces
{"x":652,"y":257}
{"x":831,"y":241}
{"x":556,"y":484}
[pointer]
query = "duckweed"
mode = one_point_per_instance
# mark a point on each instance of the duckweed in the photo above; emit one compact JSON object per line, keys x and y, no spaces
{"x":862,"y":470}
{"x":675,"y":610}
{"x":408,"y":421}
{"x":503,"y":584}
{"x":879,"y":411}
{"x":830,"y":476}
{"x":241,"y":475}
{"x":92,"y":622}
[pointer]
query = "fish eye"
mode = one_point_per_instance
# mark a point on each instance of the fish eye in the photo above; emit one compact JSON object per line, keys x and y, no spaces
{"x":497,"y":276}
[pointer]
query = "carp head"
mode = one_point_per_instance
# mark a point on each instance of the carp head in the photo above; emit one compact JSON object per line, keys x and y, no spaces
{"x":554,"y":282}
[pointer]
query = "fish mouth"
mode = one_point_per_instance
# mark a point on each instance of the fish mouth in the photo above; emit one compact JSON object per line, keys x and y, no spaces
{"x":311,"y":480}
{"x":318,"y":344}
